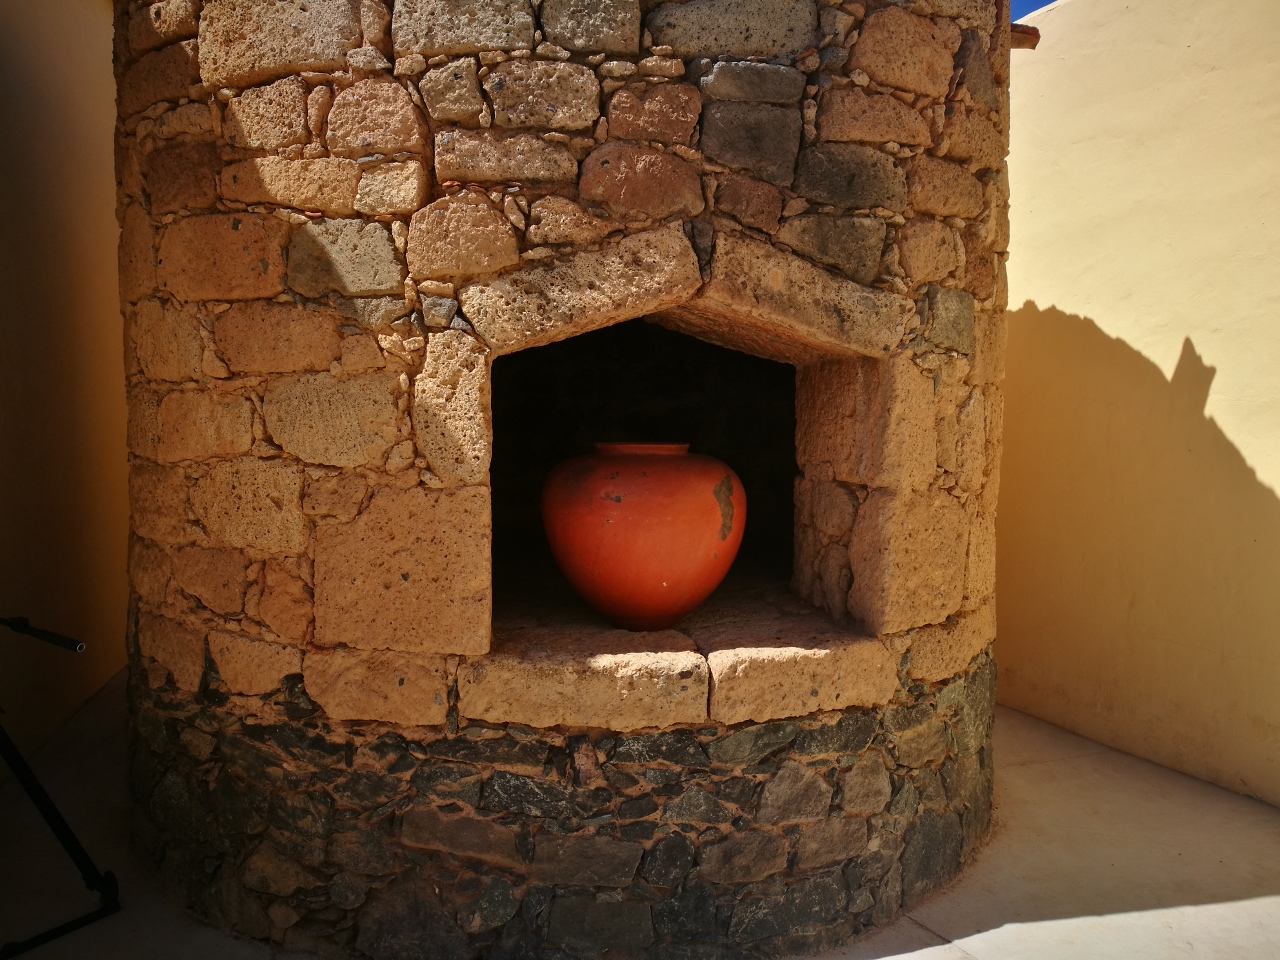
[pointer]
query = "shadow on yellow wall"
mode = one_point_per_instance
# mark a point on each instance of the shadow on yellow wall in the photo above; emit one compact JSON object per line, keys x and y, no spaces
{"x":63,"y":508}
{"x":1139,"y":558}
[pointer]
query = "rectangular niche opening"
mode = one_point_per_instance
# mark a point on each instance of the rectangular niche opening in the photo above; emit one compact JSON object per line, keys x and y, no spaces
{"x":639,"y":382}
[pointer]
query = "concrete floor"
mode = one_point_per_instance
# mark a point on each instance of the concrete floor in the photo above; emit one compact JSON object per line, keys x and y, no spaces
{"x":1096,"y":855}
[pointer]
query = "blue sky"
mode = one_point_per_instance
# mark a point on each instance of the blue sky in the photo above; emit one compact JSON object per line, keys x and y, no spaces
{"x":1020,"y":8}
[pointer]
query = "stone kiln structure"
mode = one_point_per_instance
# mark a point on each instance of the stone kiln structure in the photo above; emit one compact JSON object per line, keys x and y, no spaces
{"x":335,"y":215}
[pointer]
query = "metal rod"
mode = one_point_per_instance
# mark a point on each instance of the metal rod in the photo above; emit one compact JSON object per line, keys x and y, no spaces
{"x":22,"y":625}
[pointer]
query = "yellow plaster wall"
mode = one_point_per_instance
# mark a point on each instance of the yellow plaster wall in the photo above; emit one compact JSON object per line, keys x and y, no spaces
{"x":1139,"y":526}
{"x":63,"y":509}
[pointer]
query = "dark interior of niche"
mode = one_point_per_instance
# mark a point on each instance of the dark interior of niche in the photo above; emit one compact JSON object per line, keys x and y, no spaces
{"x":639,"y":382}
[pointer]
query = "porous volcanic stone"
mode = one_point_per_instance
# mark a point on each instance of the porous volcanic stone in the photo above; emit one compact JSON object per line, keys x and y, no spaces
{"x":199,"y":424}
{"x":584,"y":861}
{"x":542,"y":93}
{"x":943,"y":189}
{"x":851,"y":175}
{"x":162,"y":23}
{"x":592,"y":26}
{"x":158,"y":503}
{"x":351,"y":257}
{"x":253,"y":503}
{"x":182,"y":175}
{"x":850,"y":114}
{"x":347,"y":422}
{"x":640,"y":274}
{"x":944,"y":650}
{"x":434,"y":27}
{"x":177,"y":646}
{"x":850,"y":244}
{"x":974,"y":139}
{"x":265,"y":337}
{"x":752,"y":82}
{"x":250,"y":666}
{"x":378,"y":685}
{"x":667,"y":113}
{"x":243,"y":42}
{"x":928,"y":249}
{"x":269,"y":117}
{"x":373,"y":116}
{"x":557,"y":220}
{"x":410,"y":573}
{"x":223,"y":256}
{"x":974,"y":68}
{"x":452,"y":93}
{"x":457,"y":238}
{"x":166,"y":74}
{"x":756,"y":137}
{"x":392,"y":188}
{"x":137,"y":254}
{"x":326,"y":184}
{"x":900,"y":49}
{"x":285,"y":605}
{"x":948,"y":318}
{"x":740,"y":28}
{"x":586,"y":678}
{"x":631,"y":181}
{"x":481,"y":157}
{"x":450,"y":408}
{"x":167,"y":341}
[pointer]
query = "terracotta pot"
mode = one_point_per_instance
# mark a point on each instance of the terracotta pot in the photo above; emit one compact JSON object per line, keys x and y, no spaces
{"x":644,"y":531}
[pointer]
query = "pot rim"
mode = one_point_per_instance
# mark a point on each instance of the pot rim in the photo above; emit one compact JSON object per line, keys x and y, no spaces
{"x":649,"y":449}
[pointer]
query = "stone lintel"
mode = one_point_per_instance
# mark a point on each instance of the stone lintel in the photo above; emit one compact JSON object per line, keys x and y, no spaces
{"x":640,"y":274}
{"x":586,"y":677}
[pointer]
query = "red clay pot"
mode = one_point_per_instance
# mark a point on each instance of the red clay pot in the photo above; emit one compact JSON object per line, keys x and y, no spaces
{"x":644,"y":531}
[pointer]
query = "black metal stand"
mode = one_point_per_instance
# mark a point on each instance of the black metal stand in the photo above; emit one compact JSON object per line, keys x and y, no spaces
{"x":103,"y":884}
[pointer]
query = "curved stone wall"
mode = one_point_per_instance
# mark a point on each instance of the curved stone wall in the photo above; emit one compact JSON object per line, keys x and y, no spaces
{"x":503,"y":840}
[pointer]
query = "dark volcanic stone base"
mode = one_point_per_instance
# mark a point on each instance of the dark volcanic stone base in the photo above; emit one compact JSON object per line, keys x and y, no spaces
{"x":363,"y":839}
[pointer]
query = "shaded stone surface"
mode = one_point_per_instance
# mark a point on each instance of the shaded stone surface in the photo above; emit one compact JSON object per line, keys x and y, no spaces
{"x":760,"y":138}
{"x":753,"y":743}
{"x":752,"y":82}
{"x":741,"y":28}
{"x":805,"y":903}
{"x":743,"y":857}
{"x":851,"y":176}
{"x":583,"y":923}
{"x":585,"y":861}
{"x":852,"y":245}
{"x":404,"y":920}
{"x":669,"y":860}
{"x":931,"y":855}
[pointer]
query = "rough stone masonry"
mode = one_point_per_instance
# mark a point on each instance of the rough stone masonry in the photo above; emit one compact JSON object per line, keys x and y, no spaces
{"x":334,"y":215}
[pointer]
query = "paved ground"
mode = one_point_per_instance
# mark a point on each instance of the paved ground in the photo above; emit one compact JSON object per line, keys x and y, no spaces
{"x":1096,"y":855}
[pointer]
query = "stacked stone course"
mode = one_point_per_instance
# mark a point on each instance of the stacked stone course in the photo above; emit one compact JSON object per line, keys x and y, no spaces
{"x":335,"y":214}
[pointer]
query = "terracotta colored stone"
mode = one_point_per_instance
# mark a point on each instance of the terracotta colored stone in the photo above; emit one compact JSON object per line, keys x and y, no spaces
{"x":265,"y":337}
{"x":834,"y":840}
{"x":760,"y":138}
{"x":460,"y":237}
{"x":378,"y":685}
{"x":254,"y":504}
{"x":137,"y":254}
{"x":667,"y":113}
{"x":943,"y":189}
{"x":851,"y":175}
{"x":452,"y":93}
{"x":543,"y":93}
{"x":214,"y":576}
{"x":434,"y":27}
{"x":327,"y":184}
{"x":750,"y":202}
{"x":347,"y":422}
{"x":634,"y":182}
{"x":166,"y":74}
{"x":223,"y":256}
{"x":351,"y":257}
{"x":743,"y":857}
{"x":974,"y":139}
{"x":557,"y":220}
{"x":425,"y":828}
{"x":373,"y":116}
{"x":198,"y":424}
{"x":268,"y":118}
{"x":586,"y":677}
{"x":339,"y":497}
{"x":782,"y":305}
{"x":945,"y":650}
{"x":167,"y":341}
{"x":158,"y":504}
{"x":285,"y":604}
{"x":410,"y":573}
{"x":249,"y":666}
{"x":482,"y":157}
{"x":764,"y":679}
{"x":178,"y":647}
{"x":243,"y":42}
{"x":142,"y":429}
{"x":162,"y":23}
{"x":392,"y":188}
{"x":869,"y":423}
{"x":928,"y":250}
{"x":850,"y":113}
{"x":451,"y":420}
{"x":182,"y":176}
{"x":902,"y":50}
{"x":149,"y":571}
{"x":741,"y":28}
{"x":852,"y":245}
{"x":979,"y":274}
{"x":640,"y":274}
{"x":598,"y":26}
{"x":908,"y":554}
{"x":190,"y":119}
{"x":980,"y":12}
